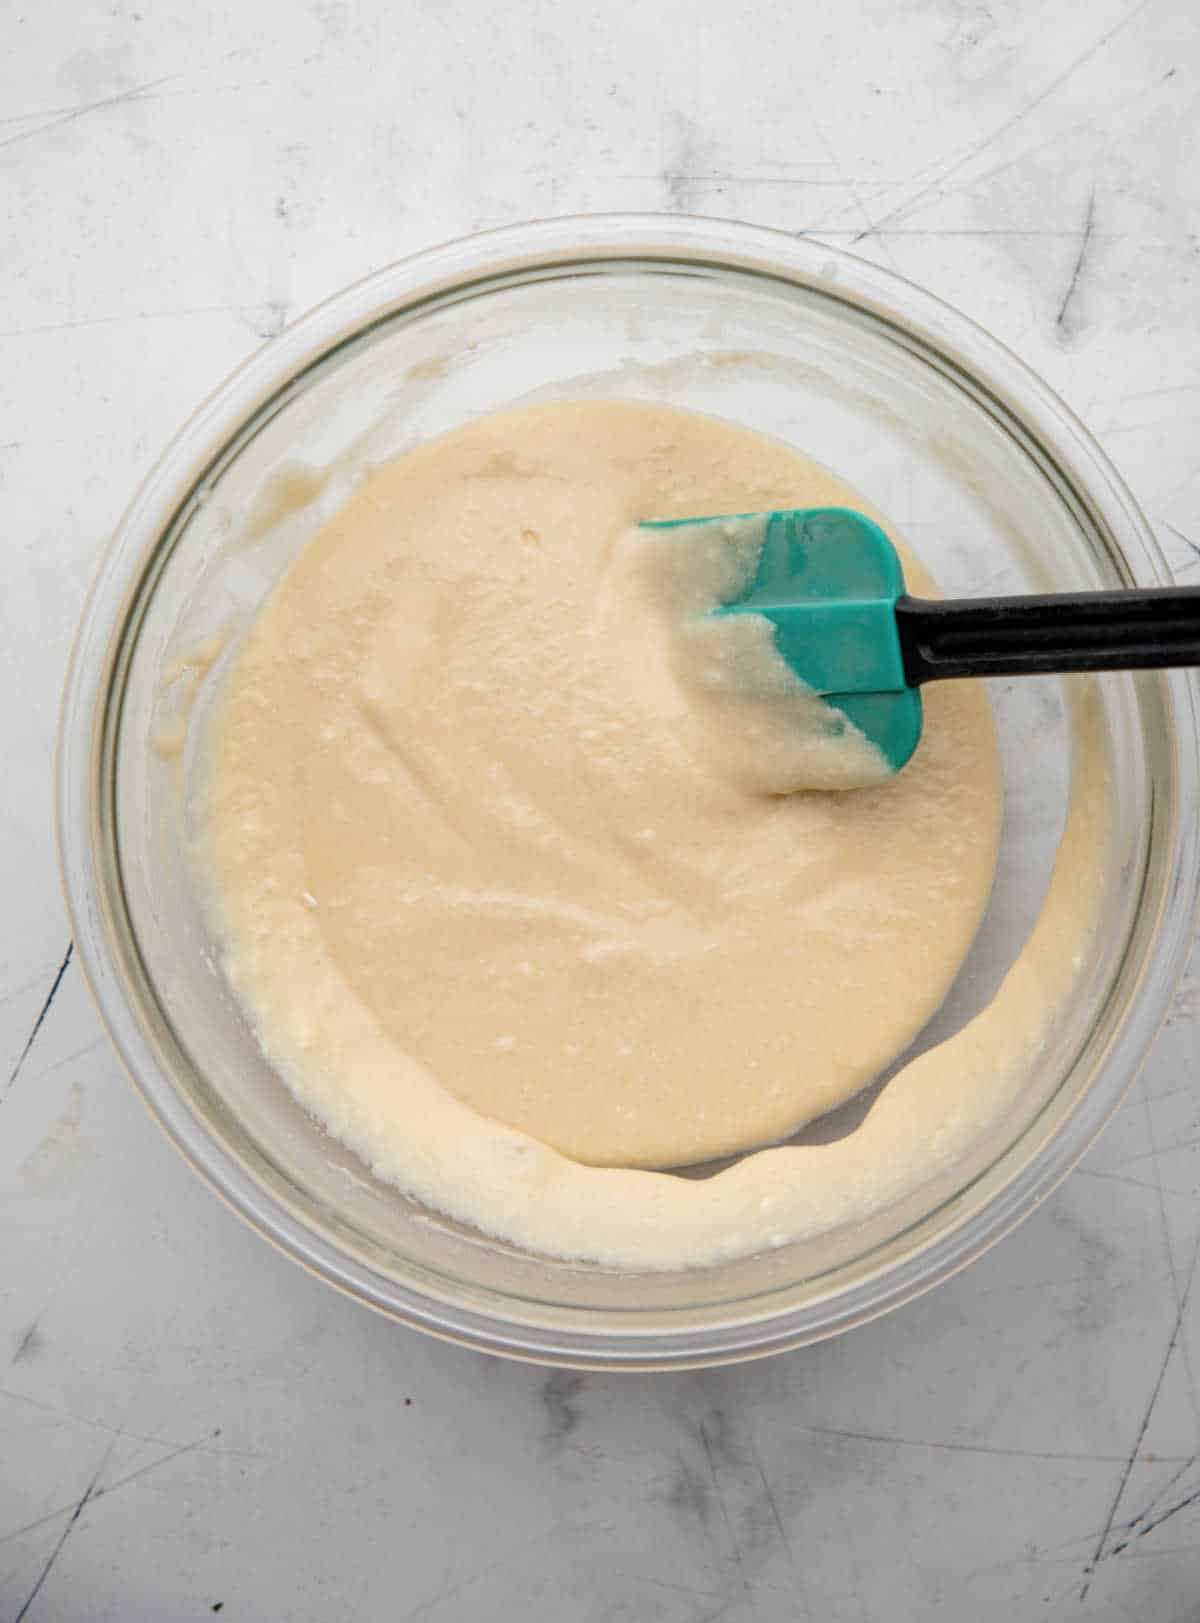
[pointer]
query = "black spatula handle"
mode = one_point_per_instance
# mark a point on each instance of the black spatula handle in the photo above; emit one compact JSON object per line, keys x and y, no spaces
{"x":1074,"y":631}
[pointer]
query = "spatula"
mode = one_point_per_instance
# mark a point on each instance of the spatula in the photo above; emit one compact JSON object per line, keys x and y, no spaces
{"x":831,"y":583}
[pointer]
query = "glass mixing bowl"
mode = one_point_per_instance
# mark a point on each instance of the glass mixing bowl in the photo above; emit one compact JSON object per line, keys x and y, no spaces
{"x":976,"y":462}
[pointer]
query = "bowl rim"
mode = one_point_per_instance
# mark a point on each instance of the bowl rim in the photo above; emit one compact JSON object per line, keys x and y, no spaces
{"x":276,"y":369}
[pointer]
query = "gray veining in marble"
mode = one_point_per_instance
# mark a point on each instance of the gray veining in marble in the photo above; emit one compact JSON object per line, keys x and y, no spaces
{"x":189,"y":1425}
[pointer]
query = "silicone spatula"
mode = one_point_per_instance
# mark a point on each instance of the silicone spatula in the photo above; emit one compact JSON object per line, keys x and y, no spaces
{"x":830,"y":582}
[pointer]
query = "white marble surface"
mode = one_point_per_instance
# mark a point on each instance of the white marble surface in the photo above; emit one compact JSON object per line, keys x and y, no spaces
{"x":188,"y":1423}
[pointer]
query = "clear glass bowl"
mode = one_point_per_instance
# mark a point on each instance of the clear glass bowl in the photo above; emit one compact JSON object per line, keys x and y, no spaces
{"x":977,"y":463}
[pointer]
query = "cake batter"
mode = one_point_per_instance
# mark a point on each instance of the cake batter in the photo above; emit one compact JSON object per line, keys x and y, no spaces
{"x":510,"y":872}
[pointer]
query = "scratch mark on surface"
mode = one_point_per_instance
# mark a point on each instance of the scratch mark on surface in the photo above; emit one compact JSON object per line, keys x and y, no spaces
{"x":80,"y":1506}
{"x":1163,"y":389}
{"x":1154,"y":426}
{"x":68,"y":1267}
{"x":725,"y":1517}
{"x":679,"y":1589}
{"x":54,"y":118}
{"x":785,"y":1541}
{"x":1172,"y":1341}
{"x":157,"y":1465}
{"x":1068,"y":328}
{"x":204,"y":1444}
{"x":76,"y":1054}
{"x":1062,"y":1282}
{"x":1143,"y":1516}
{"x":938,"y":232}
{"x":240,"y":310}
{"x":1168,"y":1249}
{"x":719,"y":179}
{"x":1186,"y":1087}
{"x":31,"y":1527}
{"x":26,"y":1344}
{"x":1157,"y":1521}
{"x":148,"y":92}
{"x":452,"y":1587}
{"x":559,"y":1392}
{"x":1132,"y":1183}
{"x":70,"y":114}
{"x":1003,"y":129}
{"x":124,"y":1431}
{"x":37,"y":1024}
{"x":856,"y":195}
{"x":1165,"y":1149}
{"x":1110,"y":111}
{"x":34,"y":980}
{"x":971,"y":1448}
{"x":1189,"y":543}
{"x":771,"y":1500}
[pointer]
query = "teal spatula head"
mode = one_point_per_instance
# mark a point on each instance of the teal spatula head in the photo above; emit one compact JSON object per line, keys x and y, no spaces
{"x":828,"y":580}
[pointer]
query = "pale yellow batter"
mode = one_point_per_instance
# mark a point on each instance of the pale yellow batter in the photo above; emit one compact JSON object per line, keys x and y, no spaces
{"x":496,"y":870}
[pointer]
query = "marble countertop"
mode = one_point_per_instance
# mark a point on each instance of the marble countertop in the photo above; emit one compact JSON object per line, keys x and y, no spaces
{"x":189,"y":1424}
